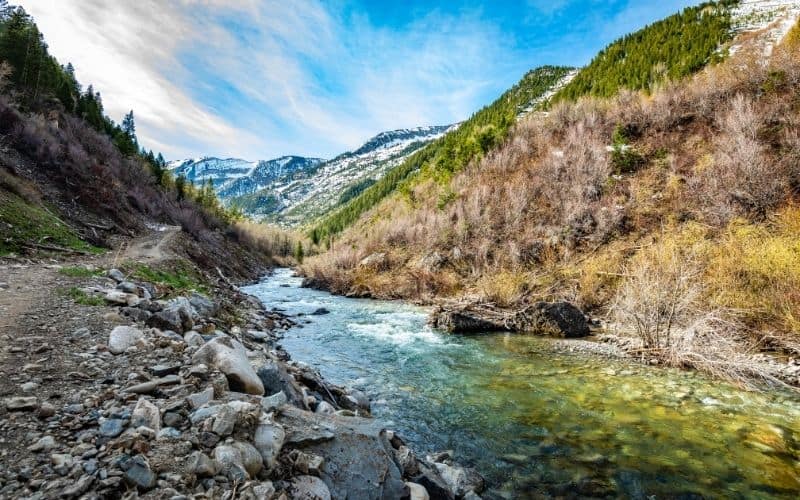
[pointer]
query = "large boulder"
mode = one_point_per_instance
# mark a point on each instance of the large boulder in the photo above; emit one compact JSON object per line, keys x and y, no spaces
{"x":357,"y":457}
{"x":464,"y":321}
{"x":275,"y":379}
{"x":230,"y":357}
{"x":310,"y":488}
{"x":560,"y":319}
{"x":124,"y":337}
{"x":268,"y":440}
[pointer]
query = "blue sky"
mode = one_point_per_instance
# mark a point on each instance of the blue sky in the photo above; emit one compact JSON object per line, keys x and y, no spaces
{"x":259,"y":79}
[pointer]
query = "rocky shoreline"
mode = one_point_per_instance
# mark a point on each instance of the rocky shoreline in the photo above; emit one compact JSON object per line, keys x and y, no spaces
{"x":189,"y":397}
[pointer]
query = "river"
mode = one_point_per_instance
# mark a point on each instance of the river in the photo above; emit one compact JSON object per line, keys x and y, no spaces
{"x":536,"y":422}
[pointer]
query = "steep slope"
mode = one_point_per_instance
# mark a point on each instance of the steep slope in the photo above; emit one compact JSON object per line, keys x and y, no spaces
{"x":670,"y":212}
{"x":452,"y":152}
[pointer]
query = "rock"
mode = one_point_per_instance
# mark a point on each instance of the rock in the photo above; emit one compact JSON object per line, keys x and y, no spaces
{"x":325,"y":408}
{"x":320,"y":312}
{"x":270,"y":403}
{"x":146,"y":414}
{"x":46,"y":410}
{"x":46,"y":443}
{"x":116,"y":275}
{"x":307,"y":463}
{"x":460,"y":479}
{"x":162,"y":370}
{"x":257,"y":336}
{"x":111,"y":427}
{"x":264,"y":490}
{"x":358,"y":458}
{"x":377,"y":261}
{"x":168,"y":433}
{"x":559,"y":319}
{"x":230,"y":462}
{"x":124,"y":337}
{"x":201,"y":465}
{"x":136,"y":314}
{"x":268,"y":440}
{"x":310,"y":488}
{"x":432,"y":262}
{"x":29,"y":387}
{"x":168,"y":319}
{"x":430,"y":479}
{"x":128,"y":287}
{"x":172,"y":419}
{"x":230,"y":357}
{"x":417,"y":492}
{"x":224,"y":421}
{"x":138,"y":473}
{"x":62,"y":462}
{"x":203,"y":305}
{"x":407,"y":461}
{"x":152,"y":385}
{"x":78,"y":488}
{"x":275,"y":378}
{"x":251,"y":458}
{"x":121,"y":298}
{"x":22,"y":403}
{"x":193,"y":339}
{"x":199,"y":399}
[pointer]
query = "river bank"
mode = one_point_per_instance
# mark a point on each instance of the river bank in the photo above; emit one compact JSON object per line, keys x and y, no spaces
{"x":540,"y":416}
{"x":151,"y":380}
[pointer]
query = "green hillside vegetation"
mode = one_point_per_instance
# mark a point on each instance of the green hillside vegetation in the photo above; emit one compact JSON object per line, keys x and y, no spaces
{"x":441,"y":159}
{"x":669,"y":49}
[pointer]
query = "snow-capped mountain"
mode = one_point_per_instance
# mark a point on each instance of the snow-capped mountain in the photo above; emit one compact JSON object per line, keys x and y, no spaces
{"x":293,"y":189}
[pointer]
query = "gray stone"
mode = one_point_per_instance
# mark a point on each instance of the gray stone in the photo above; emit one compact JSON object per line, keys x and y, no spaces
{"x":121,"y":298}
{"x":358,"y":458}
{"x":257,"y":336}
{"x":172,"y":419}
{"x":46,"y":443}
{"x":325,"y":408}
{"x":201,"y":465}
{"x":251,"y":458}
{"x":152,"y":385}
{"x":136,"y":314}
{"x":199,"y":399}
{"x":312,"y":488}
{"x":230,"y":357}
{"x":168,"y":319}
{"x":138,"y":473}
{"x":264,"y":490}
{"x":46,"y":410}
{"x":168,"y":433}
{"x":78,"y":488}
{"x":224,"y":421}
{"x":193,"y":338}
{"x":202,"y":305}
{"x":230,"y":461}
{"x":29,"y":386}
{"x":124,"y":337}
{"x":275,"y":378}
{"x":127,"y":287}
{"x":268,"y":440}
{"x":116,"y":275}
{"x":162,"y":370}
{"x":271,"y":403}
{"x":22,"y":403}
{"x":146,"y":414}
{"x":460,"y":479}
{"x":111,"y":427}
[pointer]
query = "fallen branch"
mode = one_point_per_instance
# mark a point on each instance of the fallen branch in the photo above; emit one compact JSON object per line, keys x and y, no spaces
{"x":54,"y":248}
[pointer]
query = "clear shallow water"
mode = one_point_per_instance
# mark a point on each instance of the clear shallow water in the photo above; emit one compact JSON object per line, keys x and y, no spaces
{"x":536,"y":422}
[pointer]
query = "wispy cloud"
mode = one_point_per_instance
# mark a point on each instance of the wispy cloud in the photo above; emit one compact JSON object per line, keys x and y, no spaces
{"x":262,"y":78}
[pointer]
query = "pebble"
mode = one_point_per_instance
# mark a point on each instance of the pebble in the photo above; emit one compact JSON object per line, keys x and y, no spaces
{"x":46,"y":443}
{"x":112,"y":427}
{"x":138,"y":473}
{"x":22,"y":404}
{"x":46,"y":410}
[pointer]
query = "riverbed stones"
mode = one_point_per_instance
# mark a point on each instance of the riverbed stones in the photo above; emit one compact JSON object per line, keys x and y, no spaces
{"x":138,"y":473}
{"x":230,"y":357}
{"x":123,"y":338}
{"x":146,"y":414}
{"x":268,"y":440}
{"x":22,"y":403}
{"x":116,"y":275}
{"x":417,"y":491}
{"x":310,"y":488}
{"x":112,"y":427}
{"x":460,"y":479}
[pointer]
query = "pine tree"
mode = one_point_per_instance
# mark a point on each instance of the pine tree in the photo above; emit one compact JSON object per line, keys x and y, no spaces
{"x":299,"y":254}
{"x":129,"y":126}
{"x":180,"y":187}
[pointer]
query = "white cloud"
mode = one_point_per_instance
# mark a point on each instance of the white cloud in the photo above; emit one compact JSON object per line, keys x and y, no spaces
{"x":258,"y":79}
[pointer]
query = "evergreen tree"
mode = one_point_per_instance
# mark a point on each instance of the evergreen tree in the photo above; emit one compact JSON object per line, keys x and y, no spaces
{"x":180,"y":187}
{"x":129,"y":126}
{"x":299,"y":254}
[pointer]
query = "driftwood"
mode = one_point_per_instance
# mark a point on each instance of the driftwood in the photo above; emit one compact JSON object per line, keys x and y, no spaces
{"x":559,"y":319}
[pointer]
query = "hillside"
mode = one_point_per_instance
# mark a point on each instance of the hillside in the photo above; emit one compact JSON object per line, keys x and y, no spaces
{"x":441,"y":159}
{"x":685,"y":195}
{"x":293,"y":190}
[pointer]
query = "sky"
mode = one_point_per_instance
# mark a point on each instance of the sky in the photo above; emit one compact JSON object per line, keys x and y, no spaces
{"x":259,"y":79}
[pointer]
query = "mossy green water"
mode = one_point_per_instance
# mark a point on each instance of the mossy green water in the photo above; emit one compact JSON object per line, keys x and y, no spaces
{"x":537,"y":422}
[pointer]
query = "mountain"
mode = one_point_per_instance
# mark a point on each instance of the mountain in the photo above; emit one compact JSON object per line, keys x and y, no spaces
{"x":293,"y":189}
{"x":669,"y":212}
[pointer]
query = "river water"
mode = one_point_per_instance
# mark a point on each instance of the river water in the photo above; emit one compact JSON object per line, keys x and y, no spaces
{"x":536,"y":422}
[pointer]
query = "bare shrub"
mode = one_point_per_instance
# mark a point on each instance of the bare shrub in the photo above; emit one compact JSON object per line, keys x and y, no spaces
{"x":659,"y":295}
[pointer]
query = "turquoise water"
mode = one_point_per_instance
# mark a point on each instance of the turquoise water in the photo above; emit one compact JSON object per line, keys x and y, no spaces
{"x":538,"y":423}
